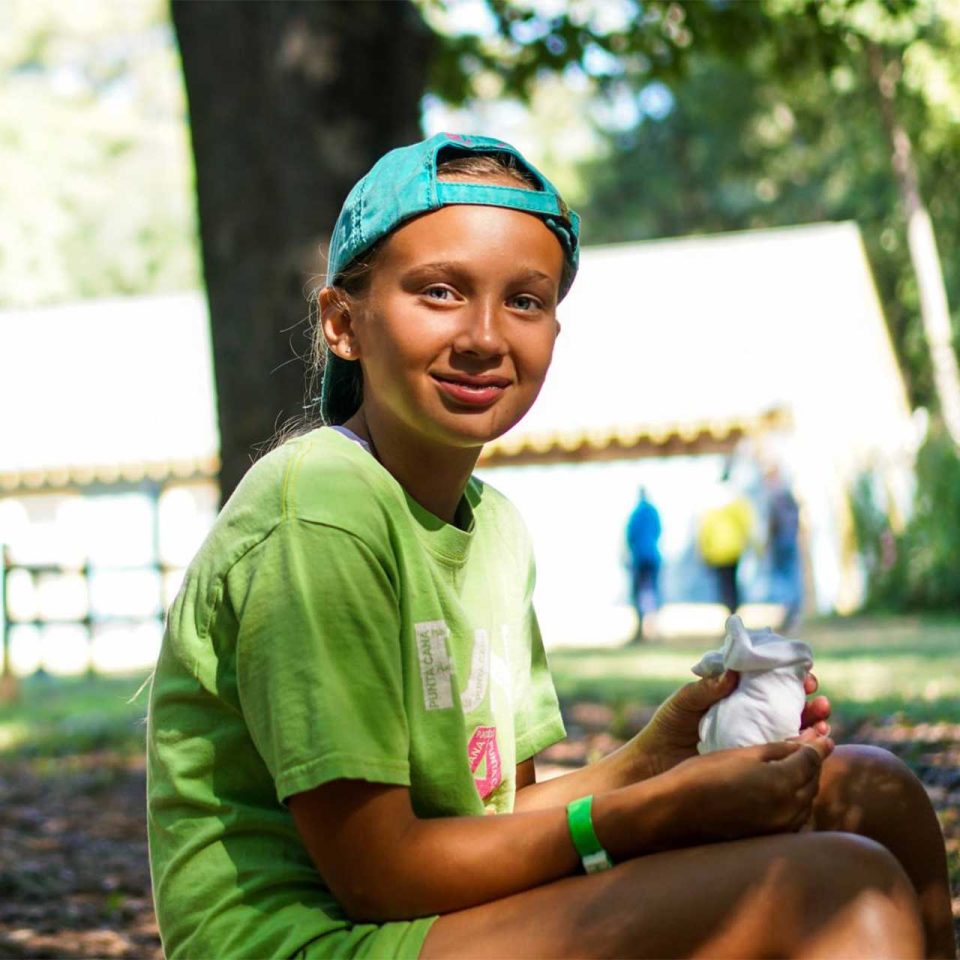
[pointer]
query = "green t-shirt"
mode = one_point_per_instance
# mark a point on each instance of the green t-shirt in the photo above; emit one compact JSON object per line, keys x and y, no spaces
{"x":328,"y":628}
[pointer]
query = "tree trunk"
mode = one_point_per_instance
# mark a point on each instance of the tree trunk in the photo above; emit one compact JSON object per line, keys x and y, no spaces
{"x":922,"y":243}
{"x":290,"y":103}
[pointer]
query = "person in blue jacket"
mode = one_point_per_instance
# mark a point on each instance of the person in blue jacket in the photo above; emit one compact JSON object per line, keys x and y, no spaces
{"x":643,"y":540}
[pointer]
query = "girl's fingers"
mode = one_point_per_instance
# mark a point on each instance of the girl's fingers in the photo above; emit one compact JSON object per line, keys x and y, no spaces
{"x":806,"y":735}
{"x":699,"y":695}
{"x":816,"y":711}
{"x":810,"y":684}
{"x":783,"y":749}
{"x":776,"y":750}
{"x":812,"y":750}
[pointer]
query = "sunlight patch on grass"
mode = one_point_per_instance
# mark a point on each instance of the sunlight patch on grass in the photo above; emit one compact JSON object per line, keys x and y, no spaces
{"x":59,"y":716}
{"x":12,"y":735}
{"x":642,"y":664}
{"x":910,"y":678}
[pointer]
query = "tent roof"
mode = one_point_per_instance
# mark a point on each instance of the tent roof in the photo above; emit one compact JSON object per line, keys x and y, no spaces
{"x":720,"y":330}
{"x":662,"y":342}
{"x":106,"y":390}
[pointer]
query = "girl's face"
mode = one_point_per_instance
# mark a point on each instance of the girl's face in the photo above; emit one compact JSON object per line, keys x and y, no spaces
{"x":456,"y":331}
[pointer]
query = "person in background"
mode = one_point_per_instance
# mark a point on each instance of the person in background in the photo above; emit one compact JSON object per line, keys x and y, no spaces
{"x":726,"y":530}
{"x":783,"y":529}
{"x":643,"y":539}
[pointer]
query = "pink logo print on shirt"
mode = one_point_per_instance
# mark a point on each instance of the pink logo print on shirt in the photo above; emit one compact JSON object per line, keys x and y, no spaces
{"x":484,"y":756}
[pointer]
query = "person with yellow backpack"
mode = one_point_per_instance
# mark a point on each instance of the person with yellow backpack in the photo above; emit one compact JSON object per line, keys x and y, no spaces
{"x":726,"y":530}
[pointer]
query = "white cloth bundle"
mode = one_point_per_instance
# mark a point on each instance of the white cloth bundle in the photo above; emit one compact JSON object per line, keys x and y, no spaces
{"x":769,"y":698}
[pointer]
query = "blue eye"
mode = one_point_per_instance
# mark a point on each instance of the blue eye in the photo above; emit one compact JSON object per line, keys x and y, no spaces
{"x":438,"y":293}
{"x":525,"y":302}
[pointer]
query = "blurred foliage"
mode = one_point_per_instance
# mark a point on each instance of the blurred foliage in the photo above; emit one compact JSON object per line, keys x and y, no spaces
{"x":720,"y":115}
{"x":95,"y":177}
{"x":917,"y":568}
{"x":707,"y":115}
{"x":873,"y":533}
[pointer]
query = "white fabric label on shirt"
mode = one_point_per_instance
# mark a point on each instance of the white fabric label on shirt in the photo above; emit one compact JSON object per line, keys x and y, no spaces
{"x":435,"y":668}
{"x":476,"y":690}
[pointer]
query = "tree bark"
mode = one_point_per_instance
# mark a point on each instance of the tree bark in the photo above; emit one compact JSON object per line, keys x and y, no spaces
{"x":290,"y":103}
{"x":922,"y":243}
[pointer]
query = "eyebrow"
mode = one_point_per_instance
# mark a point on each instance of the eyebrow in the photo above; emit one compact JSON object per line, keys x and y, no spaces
{"x":531,"y":274}
{"x":426,"y":270}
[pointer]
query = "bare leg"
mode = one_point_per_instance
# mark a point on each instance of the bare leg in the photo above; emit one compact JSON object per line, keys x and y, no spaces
{"x":789,"y":895}
{"x":871,"y":792}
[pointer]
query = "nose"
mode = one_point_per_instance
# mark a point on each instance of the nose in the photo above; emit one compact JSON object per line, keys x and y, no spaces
{"x":481,"y":331}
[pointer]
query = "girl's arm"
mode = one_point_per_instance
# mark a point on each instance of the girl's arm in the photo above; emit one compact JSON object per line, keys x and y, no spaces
{"x":670,"y":737}
{"x":383,"y":863}
{"x":629,"y":764}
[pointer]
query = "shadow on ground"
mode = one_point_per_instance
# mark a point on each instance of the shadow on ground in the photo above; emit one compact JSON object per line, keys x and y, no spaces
{"x":74,"y":879}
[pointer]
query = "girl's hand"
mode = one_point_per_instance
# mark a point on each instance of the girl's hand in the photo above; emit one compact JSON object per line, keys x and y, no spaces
{"x":817,"y":711}
{"x":750,"y":790}
{"x":672,"y":734}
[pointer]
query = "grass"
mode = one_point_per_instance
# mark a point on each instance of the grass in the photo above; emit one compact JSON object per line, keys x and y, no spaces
{"x":876,"y":668}
{"x":60,"y":716}
{"x":900,"y":668}
{"x":873,"y":667}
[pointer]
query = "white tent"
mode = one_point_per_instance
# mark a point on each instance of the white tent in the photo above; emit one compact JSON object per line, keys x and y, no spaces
{"x":106,"y":389}
{"x":774,"y":337}
{"x":697,"y":335}
{"x":109,"y":449}
{"x":726,"y":327}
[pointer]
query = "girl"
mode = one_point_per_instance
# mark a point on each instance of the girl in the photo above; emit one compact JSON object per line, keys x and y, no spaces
{"x":352,"y":686}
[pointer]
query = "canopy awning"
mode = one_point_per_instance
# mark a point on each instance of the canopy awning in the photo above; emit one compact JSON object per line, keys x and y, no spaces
{"x":106,"y":391}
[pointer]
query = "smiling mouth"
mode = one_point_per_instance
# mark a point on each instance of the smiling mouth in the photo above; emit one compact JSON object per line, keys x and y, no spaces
{"x":471,"y":391}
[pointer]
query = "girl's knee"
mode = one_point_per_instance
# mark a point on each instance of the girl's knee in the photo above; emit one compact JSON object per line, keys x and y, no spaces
{"x":845,"y":867}
{"x":870,"y":763}
{"x":857,"y":881}
{"x":838,"y":855}
{"x":861,"y":786}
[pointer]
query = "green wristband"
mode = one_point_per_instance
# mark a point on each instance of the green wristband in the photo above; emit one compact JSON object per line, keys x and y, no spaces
{"x":580,"y":822}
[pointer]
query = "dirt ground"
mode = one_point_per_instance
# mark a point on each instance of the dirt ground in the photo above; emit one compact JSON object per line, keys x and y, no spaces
{"x":73,"y":859}
{"x":73,"y":854}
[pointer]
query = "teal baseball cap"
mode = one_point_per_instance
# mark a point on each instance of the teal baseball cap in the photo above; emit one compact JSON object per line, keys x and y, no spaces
{"x":403,"y":184}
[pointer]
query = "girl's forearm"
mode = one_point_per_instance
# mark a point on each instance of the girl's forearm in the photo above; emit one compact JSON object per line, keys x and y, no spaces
{"x":479,"y":859}
{"x":627,"y":765}
{"x":449,"y":864}
{"x":452,"y":863}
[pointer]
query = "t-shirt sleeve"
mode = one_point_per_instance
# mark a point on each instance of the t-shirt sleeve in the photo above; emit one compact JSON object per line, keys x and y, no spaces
{"x":538,"y":721}
{"x":318,"y":660}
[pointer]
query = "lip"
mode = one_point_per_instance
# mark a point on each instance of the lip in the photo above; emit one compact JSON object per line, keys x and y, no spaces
{"x":471,"y":391}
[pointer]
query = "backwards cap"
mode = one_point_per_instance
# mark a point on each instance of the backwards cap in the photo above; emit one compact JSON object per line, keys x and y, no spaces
{"x":403,"y":184}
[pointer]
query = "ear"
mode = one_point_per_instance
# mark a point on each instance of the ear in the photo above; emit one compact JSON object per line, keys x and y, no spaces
{"x":336,"y":322}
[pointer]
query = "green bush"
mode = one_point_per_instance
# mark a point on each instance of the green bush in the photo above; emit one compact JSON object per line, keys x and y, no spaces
{"x":920,"y":568}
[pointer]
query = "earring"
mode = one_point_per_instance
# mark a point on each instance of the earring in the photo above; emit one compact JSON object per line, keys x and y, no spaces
{"x":346,"y":349}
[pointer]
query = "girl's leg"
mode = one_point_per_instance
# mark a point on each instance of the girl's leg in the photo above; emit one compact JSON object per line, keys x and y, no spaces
{"x":789,"y":895}
{"x":871,"y":792}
